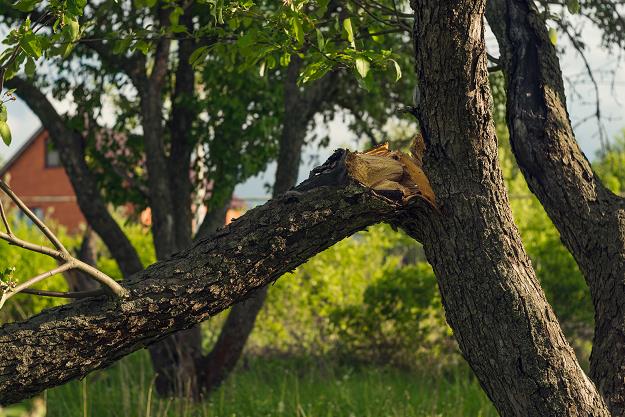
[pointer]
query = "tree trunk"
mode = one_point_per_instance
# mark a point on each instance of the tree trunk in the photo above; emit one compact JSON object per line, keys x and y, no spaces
{"x":70,"y":341}
{"x":505,"y":328}
{"x":175,"y":358}
{"x":299,"y":109}
{"x":588,"y":216}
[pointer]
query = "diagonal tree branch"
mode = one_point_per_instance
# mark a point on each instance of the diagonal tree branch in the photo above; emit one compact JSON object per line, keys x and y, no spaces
{"x":36,"y":220}
{"x":193,"y":285}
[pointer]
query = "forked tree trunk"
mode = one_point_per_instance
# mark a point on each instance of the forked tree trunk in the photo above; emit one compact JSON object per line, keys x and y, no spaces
{"x":505,"y":328}
{"x":588,"y":216}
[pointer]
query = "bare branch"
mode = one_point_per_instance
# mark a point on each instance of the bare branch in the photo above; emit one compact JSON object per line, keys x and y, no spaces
{"x":12,"y":291}
{"x":44,"y":229}
{"x":64,"y":294}
{"x":579,"y":47}
{"x":14,"y":240}
{"x":61,"y":254}
{"x":4,"y":219}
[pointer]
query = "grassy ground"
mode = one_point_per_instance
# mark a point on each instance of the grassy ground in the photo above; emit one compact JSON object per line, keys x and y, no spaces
{"x":277,"y":387}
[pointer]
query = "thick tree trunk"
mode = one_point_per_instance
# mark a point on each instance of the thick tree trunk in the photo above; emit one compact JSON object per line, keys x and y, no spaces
{"x":505,"y":328}
{"x":588,"y":216}
{"x":68,"y":342}
{"x":299,"y":109}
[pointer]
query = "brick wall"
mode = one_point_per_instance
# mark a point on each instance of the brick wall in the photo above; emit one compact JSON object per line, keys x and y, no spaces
{"x":42,"y":188}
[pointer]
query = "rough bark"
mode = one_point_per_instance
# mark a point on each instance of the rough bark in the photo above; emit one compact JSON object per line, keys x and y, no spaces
{"x":590,"y":218}
{"x":505,"y":328}
{"x":68,"y":342}
{"x":299,"y":108}
{"x":71,"y":148}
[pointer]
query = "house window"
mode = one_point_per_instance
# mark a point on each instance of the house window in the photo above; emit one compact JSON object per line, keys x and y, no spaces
{"x":53,"y":159}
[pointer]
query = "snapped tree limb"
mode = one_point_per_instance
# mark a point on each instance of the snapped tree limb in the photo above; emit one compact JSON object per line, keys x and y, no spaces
{"x":70,"y":341}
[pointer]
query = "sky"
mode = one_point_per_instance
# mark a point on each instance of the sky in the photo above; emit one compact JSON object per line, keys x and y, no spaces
{"x":581,"y":100}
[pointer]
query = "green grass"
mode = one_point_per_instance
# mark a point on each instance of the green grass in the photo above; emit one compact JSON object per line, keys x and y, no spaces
{"x":277,"y":387}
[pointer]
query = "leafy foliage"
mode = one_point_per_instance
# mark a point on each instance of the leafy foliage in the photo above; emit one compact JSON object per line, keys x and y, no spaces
{"x":400,"y":319}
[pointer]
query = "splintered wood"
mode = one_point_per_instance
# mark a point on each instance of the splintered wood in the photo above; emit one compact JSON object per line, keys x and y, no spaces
{"x":393,"y":174}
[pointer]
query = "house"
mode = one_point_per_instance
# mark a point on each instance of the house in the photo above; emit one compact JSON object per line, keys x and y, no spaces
{"x":36,"y":175}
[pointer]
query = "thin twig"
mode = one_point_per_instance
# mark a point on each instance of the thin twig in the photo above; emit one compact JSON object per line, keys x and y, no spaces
{"x":11,"y":292}
{"x":60,"y":254}
{"x":44,"y":229}
{"x":579,"y":47}
{"x":4,"y":219}
{"x":16,"y":241}
{"x":65,"y":294}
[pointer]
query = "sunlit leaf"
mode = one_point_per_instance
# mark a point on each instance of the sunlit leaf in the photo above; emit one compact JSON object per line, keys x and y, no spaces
{"x":397,"y":70}
{"x":553,"y":35}
{"x":298,"y":30}
{"x":573,"y":6}
{"x":5,"y":132}
{"x":362,"y":65}
{"x":347,"y":25}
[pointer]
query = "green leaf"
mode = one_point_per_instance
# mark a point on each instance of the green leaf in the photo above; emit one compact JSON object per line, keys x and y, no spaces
{"x":174,"y":16}
{"x":143,"y":46}
{"x":3,"y":113}
{"x":285,"y":58}
{"x":25,"y":5}
{"x":347,"y":25}
{"x":362,"y":65}
{"x":298,"y":30}
{"x":30,"y":67}
{"x":553,"y":35}
{"x":313,"y":72}
{"x":573,"y":6}
{"x":198,"y":55}
{"x":74,"y":29}
{"x":5,"y":132}
{"x":397,"y":70}
{"x":321,"y":43}
{"x":30,"y":44}
{"x":121,"y":46}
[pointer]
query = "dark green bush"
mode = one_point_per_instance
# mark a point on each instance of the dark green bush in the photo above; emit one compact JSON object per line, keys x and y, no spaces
{"x":399,"y":321}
